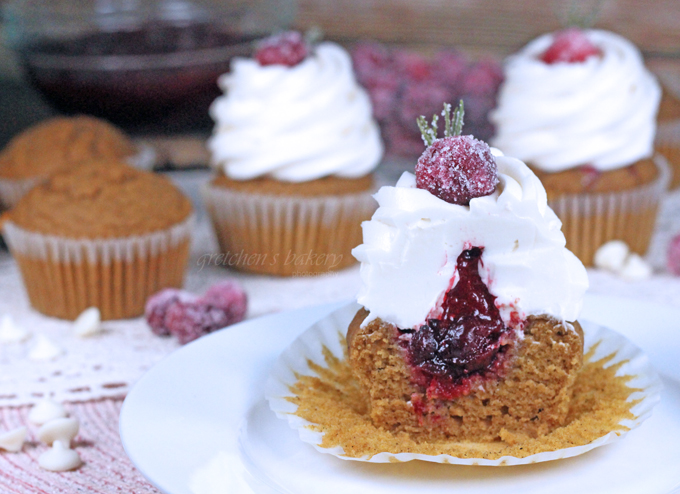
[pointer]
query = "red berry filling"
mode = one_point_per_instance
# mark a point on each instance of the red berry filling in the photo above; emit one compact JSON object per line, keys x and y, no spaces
{"x":466,"y":342}
{"x":457,"y":169}
{"x":571,"y":46}
{"x":287,"y":48}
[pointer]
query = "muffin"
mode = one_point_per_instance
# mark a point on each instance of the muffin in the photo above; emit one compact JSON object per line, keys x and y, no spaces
{"x":470,"y":300}
{"x":55,"y":145}
{"x":579,"y":107}
{"x":101,"y":234}
{"x":294,"y":148}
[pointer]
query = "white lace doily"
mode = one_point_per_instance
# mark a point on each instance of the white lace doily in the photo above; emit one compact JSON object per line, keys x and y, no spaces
{"x":108,"y":364}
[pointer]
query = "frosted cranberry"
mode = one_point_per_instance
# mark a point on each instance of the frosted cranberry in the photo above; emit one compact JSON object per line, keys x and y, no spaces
{"x":673,"y":260}
{"x":451,"y":67}
{"x":465,"y":340}
{"x":418,"y":98}
{"x":229,"y":297}
{"x":191,"y":320}
{"x":413,"y":65}
{"x":482,"y":78}
{"x":570,"y":45}
{"x":457,"y":169}
{"x":158,"y":305}
{"x":287,"y":48}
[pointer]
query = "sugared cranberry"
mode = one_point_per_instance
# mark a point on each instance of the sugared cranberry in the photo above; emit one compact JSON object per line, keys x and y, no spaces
{"x":229,"y":297}
{"x":673,"y":260}
{"x":465,"y":339}
{"x":288,"y":48}
{"x":157,"y":306}
{"x":413,"y":65}
{"x":571,"y":46}
{"x":189,"y":321}
{"x":457,"y":169}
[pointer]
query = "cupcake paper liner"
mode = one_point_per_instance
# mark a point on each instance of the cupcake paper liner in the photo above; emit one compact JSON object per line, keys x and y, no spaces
{"x":327,"y":334}
{"x":590,"y":220}
{"x":64,"y":276}
{"x":668,"y":144}
{"x":287,"y":235}
{"x":11,"y":190}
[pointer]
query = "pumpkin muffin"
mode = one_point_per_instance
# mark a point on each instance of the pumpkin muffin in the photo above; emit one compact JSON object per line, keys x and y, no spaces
{"x":101,"y":234}
{"x":55,"y":145}
{"x":294,"y":147}
{"x":580,"y":108}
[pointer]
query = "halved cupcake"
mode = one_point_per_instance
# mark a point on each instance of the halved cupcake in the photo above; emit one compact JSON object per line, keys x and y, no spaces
{"x":470,"y":300}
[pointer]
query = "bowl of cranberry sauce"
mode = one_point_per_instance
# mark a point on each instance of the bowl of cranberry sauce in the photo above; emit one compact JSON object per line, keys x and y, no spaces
{"x":135,"y":62}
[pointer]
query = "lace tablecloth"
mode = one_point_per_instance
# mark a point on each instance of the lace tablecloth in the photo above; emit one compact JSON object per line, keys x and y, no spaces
{"x":94,"y":374}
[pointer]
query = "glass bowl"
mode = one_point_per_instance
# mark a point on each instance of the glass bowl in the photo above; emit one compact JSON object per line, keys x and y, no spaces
{"x":137,"y":63}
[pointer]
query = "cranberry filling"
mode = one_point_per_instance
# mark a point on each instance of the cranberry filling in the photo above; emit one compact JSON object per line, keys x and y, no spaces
{"x":464,"y":341}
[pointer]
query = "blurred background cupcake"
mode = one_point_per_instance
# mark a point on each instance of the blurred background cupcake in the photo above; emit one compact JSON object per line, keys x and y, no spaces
{"x":580,"y":108}
{"x":294,"y":147}
{"x":101,"y":234}
{"x":57,"y":144}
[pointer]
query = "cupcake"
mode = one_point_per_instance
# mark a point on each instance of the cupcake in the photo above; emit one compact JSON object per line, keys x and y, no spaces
{"x":579,"y":107}
{"x":468,"y":331}
{"x":57,"y":144}
{"x":668,"y":133}
{"x":294,"y":148}
{"x":101,"y":234}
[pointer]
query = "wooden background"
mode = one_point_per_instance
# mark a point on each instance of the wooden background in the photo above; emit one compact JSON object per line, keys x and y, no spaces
{"x":496,"y":26}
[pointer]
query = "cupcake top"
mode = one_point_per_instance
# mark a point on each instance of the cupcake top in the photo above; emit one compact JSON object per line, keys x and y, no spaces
{"x":577,"y":98}
{"x":56,"y":144}
{"x":101,"y":199}
{"x":482,"y":205}
{"x":295,"y":114}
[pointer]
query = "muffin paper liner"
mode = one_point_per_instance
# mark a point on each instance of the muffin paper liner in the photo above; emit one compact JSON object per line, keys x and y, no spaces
{"x":11,"y":190}
{"x":590,"y":220}
{"x":287,"y":235}
{"x":64,"y":276}
{"x":328,"y":332}
{"x":668,"y":145}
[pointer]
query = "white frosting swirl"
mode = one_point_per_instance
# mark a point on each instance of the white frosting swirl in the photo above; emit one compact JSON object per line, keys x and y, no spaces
{"x":294,"y":123}
{"x":412,"y":243}
{"x":600,"y":112}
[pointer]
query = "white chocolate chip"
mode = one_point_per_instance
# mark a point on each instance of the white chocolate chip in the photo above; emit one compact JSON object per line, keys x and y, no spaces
{"x":62,"y":429}
{"x":59,"y":458}
{"x":13,"y":440}
{"x":635,"y":268}
{"x":611,"y":256}
{"x":46,"y":410}
{"x":88,"y":323}
{"x":44,"y":349}
{"x":10,"y":332}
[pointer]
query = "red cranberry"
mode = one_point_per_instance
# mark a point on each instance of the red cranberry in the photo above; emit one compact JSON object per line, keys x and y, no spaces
{"x":189,"y":321}
{"x":457,"y":169}
{"x":287,"y":48}
{"x":158,"y":305}
{"x":571,"y":46}
{"x":229,"y":297}
{"x":673,"y":260}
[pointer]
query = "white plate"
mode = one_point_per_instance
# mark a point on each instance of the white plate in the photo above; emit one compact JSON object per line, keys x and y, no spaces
{"x":197,"y":423}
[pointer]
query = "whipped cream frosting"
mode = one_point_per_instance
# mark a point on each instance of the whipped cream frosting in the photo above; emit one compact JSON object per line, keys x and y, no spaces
{"x":599,"y":112}
{"x":296,"y":123}
{"x":412,"y":243}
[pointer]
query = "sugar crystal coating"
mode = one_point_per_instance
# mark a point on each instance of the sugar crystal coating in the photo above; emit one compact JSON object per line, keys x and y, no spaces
{"x":571,"y":46}
{"x":673,"y":259}
{"x":229,"y":297}
{"x":457,"y":169}
{"x":189,"y":321}
{"x":157,"y":306}
{"x":288,"y":48}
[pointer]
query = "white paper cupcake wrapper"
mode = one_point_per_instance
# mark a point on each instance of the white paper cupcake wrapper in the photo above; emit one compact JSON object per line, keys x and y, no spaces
{"x":287,"y":227}
{"x":327,"y":333}
{"x":64,"y":276}
{"x":590,"y":220}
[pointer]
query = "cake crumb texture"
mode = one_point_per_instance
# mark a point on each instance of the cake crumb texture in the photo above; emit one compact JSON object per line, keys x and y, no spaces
{"x":336,"y":405}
